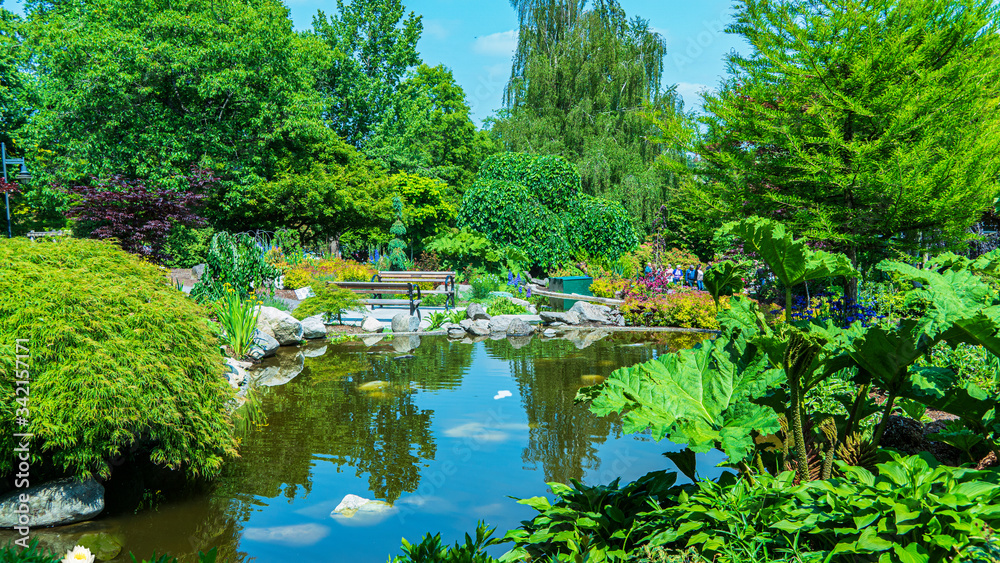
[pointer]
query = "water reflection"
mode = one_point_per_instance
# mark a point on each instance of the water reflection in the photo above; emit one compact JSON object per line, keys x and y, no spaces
{"x":393,"y":420}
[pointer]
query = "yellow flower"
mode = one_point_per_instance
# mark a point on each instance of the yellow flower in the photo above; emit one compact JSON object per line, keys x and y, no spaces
{"x":79,"y":554}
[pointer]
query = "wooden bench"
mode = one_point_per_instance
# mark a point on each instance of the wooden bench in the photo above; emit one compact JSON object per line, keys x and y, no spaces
{"x":378,"y":289}
{"x":41,"y":234}
{"x":447,"y":279}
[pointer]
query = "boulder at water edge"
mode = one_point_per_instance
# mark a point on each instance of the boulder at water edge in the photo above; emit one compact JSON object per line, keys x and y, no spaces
{"x":371,"y":324}
{"x":314,"y":327}
{"x":500,"y":323}
{"x":287,"y":330}
{"x":235,"y":373}
{"x":480,"y":328}
{"x":518,"y":327}
{"x":264,"y":345}
{"x":476,"y":312}
{"x":592,"y":313}
{"x":552,"y":317}
{"x":54,"y":504}
{"x":405,"y":322}
{"x":456,"y":332}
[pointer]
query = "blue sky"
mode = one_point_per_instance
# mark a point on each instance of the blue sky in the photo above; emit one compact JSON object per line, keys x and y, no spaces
{"x":476,"y":40}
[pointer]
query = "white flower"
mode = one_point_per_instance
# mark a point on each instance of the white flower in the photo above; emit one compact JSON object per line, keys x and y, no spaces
{"x":79,"y":554}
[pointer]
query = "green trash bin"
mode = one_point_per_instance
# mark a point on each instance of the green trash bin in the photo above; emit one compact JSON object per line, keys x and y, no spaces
{"x":568,"y":284}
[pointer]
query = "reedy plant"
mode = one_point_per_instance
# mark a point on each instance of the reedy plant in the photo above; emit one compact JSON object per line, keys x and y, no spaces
{"x":238,"y":317}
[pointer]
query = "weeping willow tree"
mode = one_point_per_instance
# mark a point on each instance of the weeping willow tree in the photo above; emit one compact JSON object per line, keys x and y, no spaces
{"x":585,"y":79}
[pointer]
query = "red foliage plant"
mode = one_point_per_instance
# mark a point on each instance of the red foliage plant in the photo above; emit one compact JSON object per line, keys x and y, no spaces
{"x":137,"y":215}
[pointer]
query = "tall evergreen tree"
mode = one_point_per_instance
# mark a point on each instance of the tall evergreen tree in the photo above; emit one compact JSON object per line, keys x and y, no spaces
{"x":871,"y":125}
{"x":584,"y":79}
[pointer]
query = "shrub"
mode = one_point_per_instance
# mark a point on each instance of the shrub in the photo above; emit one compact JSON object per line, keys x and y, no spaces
{"x":187,"y":247}
{"x":507,"y":214}
{"x":337,"y":269}
{"x":482,"y":285}
{"x":609,"y":287}
{"x":328,"y":299}
{"x":684,"y":309}
{"x":138,"y":216}
{"x":238,"y":260}
{"x":119,"y":360}
{"x":503,"y":306}
{"x":601,"y":227}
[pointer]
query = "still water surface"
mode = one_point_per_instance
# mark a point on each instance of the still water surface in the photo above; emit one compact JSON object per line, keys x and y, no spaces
{"x":441,"y":443}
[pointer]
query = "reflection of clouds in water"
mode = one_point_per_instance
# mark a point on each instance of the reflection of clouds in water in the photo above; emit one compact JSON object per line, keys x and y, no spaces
{"x":482,"y":432}
{"x":491,"y":509}
{"x":428,"y":504}
{"x":298,"y":535}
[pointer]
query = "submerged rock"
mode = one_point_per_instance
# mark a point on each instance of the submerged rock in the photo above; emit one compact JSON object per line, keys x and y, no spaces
{"x":377,"y":385}
{"x":359,"y":511}
{"x":55,"y":503}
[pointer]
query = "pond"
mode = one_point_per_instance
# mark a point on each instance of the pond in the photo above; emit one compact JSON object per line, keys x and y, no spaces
{"x":443,"y":432}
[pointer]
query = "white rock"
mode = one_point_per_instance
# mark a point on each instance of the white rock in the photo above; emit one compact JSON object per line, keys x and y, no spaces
{"x":371,"y":324}
{"x":500,"y":323}
{"x":517,"y":327}
{"x":476,"y":312}
{"x":313,"y":327}
{"x":358,"y":511}
{"x":285,"y":328}
{"x":405,"y":322}
{"x":592,"y":313}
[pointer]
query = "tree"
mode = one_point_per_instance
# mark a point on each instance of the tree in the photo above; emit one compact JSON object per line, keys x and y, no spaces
{"x":373,"y":46}
{"x":147,"y":88}
{"x":582,"y":83}
{"x":429,"y":131}
{"x":139,"y":216}
{"x":868,"y":125}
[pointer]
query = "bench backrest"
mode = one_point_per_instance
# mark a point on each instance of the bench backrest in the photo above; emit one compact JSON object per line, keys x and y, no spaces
{"x":377,"y":287}
{"x":418,"y":276}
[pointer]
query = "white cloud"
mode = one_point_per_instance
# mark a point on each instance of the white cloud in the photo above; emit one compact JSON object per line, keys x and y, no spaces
{"x":501,"y":44}
{"x":691,"y":93}
{"x":437,"y":29}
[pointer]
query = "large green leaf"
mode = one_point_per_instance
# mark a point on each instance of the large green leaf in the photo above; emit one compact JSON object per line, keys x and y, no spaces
{"x":791,"y":260}
{"x":724,"y":278}
{"x":698,"y":397}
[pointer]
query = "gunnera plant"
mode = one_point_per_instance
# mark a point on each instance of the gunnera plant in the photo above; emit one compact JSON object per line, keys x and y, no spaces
{"x":115,"y":361}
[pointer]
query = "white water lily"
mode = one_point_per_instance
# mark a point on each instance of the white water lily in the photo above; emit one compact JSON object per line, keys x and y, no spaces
{"x":79,"y":554}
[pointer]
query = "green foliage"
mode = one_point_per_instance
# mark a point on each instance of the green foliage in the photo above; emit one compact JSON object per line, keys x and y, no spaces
{"x":239,"y":261}
{"x":587,"y":523}
{"x":554,"y":182}
{"x":397,"y":247}
{"x":507,"y":214}
{"x":187,"y":247}
{"x":584,"y":81}
{"x":482,"y":285}
{"x":906,"y":510}
{"x":431,"y":550}
{"x":328,"y":299}
{"x":33,"y":554}
{"x":209,"y":557}
{"x":119,"y":360}
{"x":723,"y":278}
{"x":535,"y":205}
{"x":238,"y":317}
{"x":459,"y":249}
{"x":699,"y":397}
{"x":600,"y":227}
{"x":840,"y":122}
{"x":684,"y":309}
{"x":503,"y":306}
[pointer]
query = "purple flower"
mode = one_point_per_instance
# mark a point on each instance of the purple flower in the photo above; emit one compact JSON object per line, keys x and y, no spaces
{"x":518,"y":279}
{"x":529,"y":292}
{"x":510,"y":278}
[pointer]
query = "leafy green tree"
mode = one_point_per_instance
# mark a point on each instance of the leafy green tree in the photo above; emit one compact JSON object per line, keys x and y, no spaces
{"x":583,"y":81}
{"x":428,"y":130}
{"x":397,"y":247}
{"x":373,"y":45}
{"x":867,"y":125}
{"x":150,"y":88}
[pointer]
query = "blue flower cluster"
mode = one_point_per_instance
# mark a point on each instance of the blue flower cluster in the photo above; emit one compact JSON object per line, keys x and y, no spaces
{"x":518,"y":286}
{"x":373,"y":256}
{"x":843,"y":313}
